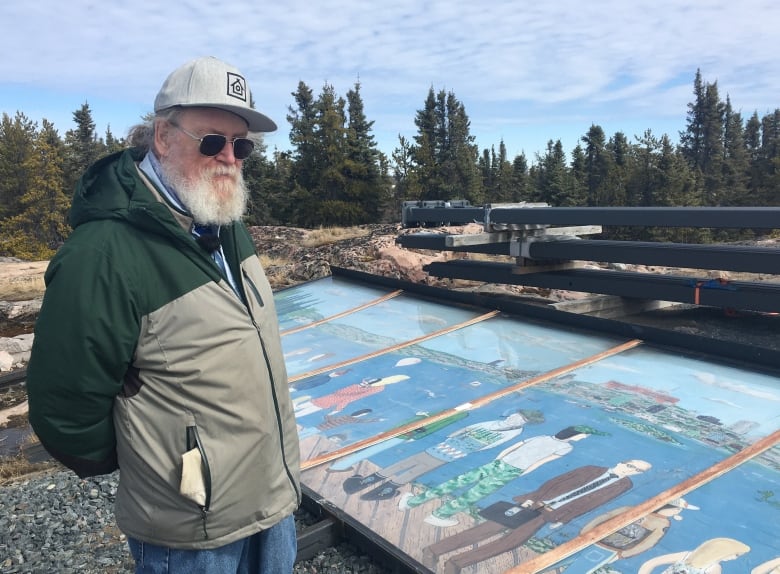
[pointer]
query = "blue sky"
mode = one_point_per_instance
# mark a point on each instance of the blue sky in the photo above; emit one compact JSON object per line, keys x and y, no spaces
{"x":525,"y":72}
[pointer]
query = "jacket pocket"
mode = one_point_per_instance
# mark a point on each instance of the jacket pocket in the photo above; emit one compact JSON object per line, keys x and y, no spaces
{"x":253,"y":288}
{"x":195,"y":481}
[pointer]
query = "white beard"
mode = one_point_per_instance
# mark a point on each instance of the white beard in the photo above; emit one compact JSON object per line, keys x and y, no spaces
{"x":211,"y":200}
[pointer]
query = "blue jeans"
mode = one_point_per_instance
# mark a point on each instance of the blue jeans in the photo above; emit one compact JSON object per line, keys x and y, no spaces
{"x":271,"y":551}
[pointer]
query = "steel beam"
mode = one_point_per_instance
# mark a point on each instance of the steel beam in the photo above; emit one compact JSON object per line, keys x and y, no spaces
{"x":717,"y":217}
{"x":438,"y":242}
{"x":695,"y":256}
{"x":688,"y":255}
{"x":752,"y":296}
{"x":427,"y":216}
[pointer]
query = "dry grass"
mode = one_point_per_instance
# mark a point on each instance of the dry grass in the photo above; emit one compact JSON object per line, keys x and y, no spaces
{"x":17,"y":466}
{"x":268,"y":261}
{"x":325,"y":235}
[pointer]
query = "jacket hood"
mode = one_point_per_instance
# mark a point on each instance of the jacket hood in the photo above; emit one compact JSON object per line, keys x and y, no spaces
{"x":112,"y":189}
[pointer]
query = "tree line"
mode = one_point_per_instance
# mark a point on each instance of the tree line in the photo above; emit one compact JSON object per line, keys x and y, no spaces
{"x":334,"y":174}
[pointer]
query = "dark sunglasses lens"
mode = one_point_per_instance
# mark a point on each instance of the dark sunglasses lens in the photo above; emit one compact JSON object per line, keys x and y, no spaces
{"x":242,"y":148}
{"x":212,"y":144}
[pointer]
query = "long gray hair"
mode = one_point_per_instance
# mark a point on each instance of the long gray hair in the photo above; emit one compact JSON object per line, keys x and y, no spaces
{"x":142,"y":135}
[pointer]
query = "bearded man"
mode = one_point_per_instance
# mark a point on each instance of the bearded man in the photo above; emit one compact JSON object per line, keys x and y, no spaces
{"x":157,"y":347}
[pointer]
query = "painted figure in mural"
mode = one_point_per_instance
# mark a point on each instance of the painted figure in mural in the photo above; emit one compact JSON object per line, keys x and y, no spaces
{"x":461,"y":443}
{"x":332,"y":422}
{"x":632,"y":540}
{"x":316,"y":381}
{"x":704,"y":559}
{"x":519,"y":459}
{"x":340,"y":399}
{"x":347,"y":463}
{"x":558,"y":501}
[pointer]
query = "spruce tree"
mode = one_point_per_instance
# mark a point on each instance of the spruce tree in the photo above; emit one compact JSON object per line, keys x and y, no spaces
{"x":521,"y":186}
{"x":736,"y":165}
{"x":366,"y":187}
{"x":597,"y":168}
{"x":82,"y":145}
{"x":17,"y":137}
{"x":40,"y":226}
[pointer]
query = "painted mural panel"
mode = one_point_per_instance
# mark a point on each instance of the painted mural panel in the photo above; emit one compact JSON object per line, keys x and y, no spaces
{"x":316,"y":300}
{"x":732,"y":523}
{"x":491,"y":487}
{"x":371,"y":329}
{"x":370,"y":397}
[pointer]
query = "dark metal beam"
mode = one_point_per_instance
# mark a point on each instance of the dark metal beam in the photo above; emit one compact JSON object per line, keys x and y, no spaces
{"x":718,"y":217}
{"x":688,"y":255}
{"x":724,"y":257}
{"x":417,"y":216}
{"x":714,"y":217}
{"x":763,"y":297}
{"x":438,"y":242}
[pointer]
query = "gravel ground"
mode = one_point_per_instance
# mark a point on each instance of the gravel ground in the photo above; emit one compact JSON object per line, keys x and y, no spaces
{"x":55,"y":522}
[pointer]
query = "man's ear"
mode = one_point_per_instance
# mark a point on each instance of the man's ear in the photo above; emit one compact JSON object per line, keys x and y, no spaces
{"x":162,"y":136}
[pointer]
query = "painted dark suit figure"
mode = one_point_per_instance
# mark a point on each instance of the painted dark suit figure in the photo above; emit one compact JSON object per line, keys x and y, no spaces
{"x":558,"y":501}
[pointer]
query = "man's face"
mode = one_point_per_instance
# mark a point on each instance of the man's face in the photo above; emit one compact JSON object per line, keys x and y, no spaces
{"x":211,"y":188}
{"x":631,"y":467}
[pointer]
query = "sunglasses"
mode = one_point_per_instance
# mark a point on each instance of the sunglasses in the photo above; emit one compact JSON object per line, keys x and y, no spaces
{"x":212,"y":144}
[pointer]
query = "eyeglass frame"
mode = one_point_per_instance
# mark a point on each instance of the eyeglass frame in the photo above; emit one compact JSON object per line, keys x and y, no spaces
{"x":225,"y":139}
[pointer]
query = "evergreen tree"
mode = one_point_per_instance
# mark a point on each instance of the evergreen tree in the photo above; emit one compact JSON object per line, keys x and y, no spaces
{"x":552,"y":178}
{"x":17,"y":137}
{"x":303,"y":124}
{"x":40,"y":226}
{"x":486,"y":165}
{"x":579,"y":177}
{"x":444,"y":154}
{"x":597,"y":167}
{"x":503,"y":175}
{"x":678,"y":185}
{"x":257,"y":173}
{"x":770,"y":157}
{"x":460,"y":154}
{"x":366,"y":186}
{"x":82,"y":145}
{"x":423,"y":152}
{"x":406,"y":186}
{"x":642,"y":188}
{"x":702,"y":142}
{"x":752,"y":136}
{"x":618,"y":170}
{"x":521,"y":180}
{"x":736,"y":165}
{"x":112,"y":144}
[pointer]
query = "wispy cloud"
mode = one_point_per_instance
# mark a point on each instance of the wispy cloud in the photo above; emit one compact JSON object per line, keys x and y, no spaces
{"x":510,"y":63}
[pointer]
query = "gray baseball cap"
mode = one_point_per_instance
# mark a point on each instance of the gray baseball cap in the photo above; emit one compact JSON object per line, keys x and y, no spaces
{"x":211,"y":83}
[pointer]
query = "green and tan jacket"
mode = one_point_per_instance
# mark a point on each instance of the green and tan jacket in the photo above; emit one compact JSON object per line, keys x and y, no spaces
{"x":143,"y":353}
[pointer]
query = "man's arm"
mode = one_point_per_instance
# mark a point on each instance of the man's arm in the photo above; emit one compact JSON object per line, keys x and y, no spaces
{"x":84,"y":339}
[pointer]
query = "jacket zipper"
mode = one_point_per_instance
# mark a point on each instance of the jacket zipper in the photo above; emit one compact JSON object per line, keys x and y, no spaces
{"x":254,"y":289}
{"x":279,"y":424}
{"x":193,"y":441}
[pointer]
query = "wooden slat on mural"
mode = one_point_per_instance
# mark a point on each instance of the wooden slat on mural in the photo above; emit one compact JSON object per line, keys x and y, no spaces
{"x":365,"y":443}
{"x":392,"y":348}
{"x":548,"y":559}
{"x":343,"y":313}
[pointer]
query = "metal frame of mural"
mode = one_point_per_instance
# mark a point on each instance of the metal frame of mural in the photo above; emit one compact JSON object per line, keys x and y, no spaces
{"x":481,"y":442}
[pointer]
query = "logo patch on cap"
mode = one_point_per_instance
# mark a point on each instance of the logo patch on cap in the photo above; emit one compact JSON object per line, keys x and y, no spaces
{"x":236,"y":86}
